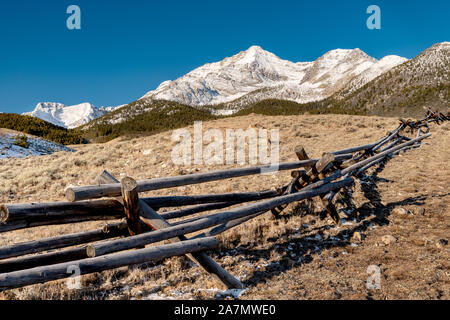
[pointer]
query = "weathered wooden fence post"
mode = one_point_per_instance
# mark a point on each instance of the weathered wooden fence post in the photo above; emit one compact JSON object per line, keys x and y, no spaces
{"x":131,"y":205}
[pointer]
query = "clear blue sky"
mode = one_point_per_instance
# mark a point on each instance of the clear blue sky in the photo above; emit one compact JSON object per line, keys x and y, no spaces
{"x":126,"y":48}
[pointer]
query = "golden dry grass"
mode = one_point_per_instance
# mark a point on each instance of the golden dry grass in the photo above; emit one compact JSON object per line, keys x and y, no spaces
{"x":296,"y":257}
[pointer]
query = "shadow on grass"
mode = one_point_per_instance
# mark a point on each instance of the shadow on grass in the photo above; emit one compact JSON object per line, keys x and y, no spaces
{"x":295,"y":252}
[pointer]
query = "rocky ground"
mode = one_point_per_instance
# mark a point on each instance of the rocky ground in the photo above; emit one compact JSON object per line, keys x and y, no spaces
{"x":397,"y":226}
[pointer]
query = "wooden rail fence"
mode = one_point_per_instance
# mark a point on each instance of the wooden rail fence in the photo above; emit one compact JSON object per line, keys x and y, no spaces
{"x":124,"y":243}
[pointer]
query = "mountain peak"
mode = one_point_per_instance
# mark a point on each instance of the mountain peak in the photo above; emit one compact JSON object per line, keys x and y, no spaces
{"x":393,"y":58}
{"x":255,"y":53}
{"x":347,"y":53}
{"x":66,"y":116}
{"x":255,"y":49}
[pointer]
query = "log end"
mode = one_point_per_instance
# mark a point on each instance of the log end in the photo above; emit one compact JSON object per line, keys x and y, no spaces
{"x":90,"y":251}
{"x":301,"y":153}
{"x":106,"y":229}
{"x":296,"y":173}
{"x":105,"y":177}
{"x":70,"y":194}
{"x":128,"y":184}
{"x":326,"y":159}
{"x":279,"y":190}
{"x":4,"y":213}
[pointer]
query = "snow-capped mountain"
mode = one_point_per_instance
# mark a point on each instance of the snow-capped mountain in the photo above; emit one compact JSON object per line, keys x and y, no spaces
{"x":377,"y":69}
{"x":256,"y":74}
{"x":68,"y":116}
{"x":230,"y":78}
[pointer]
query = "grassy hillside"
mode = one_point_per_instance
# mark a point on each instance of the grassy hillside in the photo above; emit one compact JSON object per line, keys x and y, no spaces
{"x":40,"y":128}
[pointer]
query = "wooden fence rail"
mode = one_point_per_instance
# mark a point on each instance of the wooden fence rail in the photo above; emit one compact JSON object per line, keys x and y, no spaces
{"x":20,"y":249}
{"x":114,"y":189}
{"x":85,"y":266}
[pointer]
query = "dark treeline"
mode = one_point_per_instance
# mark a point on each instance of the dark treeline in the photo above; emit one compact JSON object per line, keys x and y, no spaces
{"x":40,"y":128}
{"x":274,"y":107}
{"x":156,"y":116}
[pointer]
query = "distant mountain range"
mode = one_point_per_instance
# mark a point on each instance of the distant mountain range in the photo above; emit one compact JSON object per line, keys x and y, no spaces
{"x":340,"y":79}
{"x":256,"y":74}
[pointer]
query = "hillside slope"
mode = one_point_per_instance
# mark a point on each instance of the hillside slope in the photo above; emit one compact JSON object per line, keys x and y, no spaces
{"x":405,"y":89}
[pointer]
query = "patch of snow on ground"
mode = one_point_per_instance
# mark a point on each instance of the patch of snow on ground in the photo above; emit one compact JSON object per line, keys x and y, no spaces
{"x":235,"y":293}
{"x":37,"y":147}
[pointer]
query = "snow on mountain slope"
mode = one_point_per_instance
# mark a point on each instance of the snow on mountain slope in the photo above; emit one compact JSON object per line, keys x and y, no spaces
{"x":230,"y":78}
{"x":36,"y":146}
{"x":68,"y":116}
{"x":377,"y":69}
{"x":327,"y":75}
{"x":332,"y":64}
{"x":256,"y":74}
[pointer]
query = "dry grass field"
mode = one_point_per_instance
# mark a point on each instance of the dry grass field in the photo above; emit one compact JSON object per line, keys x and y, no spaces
{"x":303,"y":255}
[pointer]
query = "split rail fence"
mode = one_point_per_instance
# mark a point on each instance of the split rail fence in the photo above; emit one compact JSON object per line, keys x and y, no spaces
{"x":124,"y":243}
